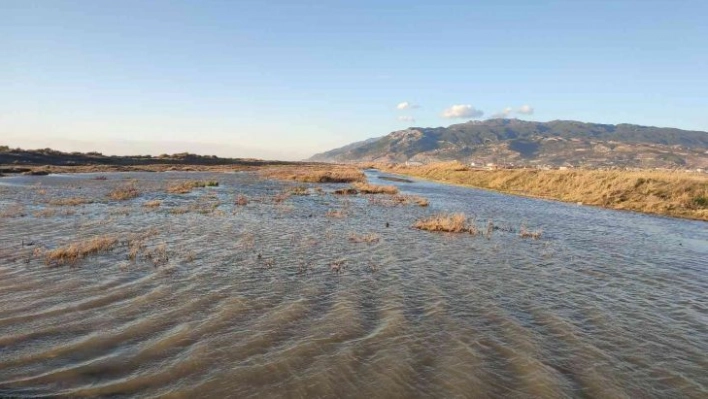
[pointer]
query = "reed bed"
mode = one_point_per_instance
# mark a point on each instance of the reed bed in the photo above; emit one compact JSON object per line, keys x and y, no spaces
{"x":672,"y":193}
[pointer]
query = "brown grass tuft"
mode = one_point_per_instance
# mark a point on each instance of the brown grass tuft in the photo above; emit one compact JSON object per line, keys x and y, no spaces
{"x":72,"y":253}
{"x":366,"y":188}
{"x":152,"y":204}
{"x":336,"y":213}
{"x":399,"y":200}
{"x":346,"y":191}
{"x":13,"y":211}
{"x":186,"y":187}
{"x":368,"y":238}
{"x":123,"y":193}
{"x":452,"y":223}
{"x":299,"y":190}
{"x":524,"y":232}
{"x":316,"y":173}
{"x":76,"y":201}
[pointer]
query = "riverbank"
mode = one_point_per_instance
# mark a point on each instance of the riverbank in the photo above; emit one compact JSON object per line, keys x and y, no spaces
{"x":676,"y":194}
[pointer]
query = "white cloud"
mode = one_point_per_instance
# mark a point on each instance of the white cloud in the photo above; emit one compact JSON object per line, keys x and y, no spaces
{"x":462,"y":111}
{"x":407,"y":105}
{"x":525,"y":110}
{"x":503,"y":114}
{"x":406,"y":118}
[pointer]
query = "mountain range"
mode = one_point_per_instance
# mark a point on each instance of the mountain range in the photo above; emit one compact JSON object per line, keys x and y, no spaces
{"x":527,"y":143}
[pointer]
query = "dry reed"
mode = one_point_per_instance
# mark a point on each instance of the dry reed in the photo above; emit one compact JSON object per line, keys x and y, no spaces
{"x":366,"y":188}
{"x":152,"y":204}
{"x":73,"y":252}
{"x":368,"y":238}
{"x":124,"y":193}
{"x":75,"y":201}
{"x":673,"y":193}
{"x":316,"y":173}
{"x":186,"y":187}
{"x":451,"y":223}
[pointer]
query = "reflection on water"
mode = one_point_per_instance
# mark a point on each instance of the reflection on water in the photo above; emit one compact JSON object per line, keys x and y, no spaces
{"x":606,"y":304}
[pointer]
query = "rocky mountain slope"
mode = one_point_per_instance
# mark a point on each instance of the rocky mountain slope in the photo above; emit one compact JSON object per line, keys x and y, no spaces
{"x":517,"y":142}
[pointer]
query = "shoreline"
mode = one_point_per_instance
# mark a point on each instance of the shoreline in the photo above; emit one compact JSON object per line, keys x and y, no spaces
{"x":630,"y":199}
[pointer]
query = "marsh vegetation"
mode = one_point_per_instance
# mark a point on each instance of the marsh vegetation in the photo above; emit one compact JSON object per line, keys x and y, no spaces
{"x":385,"y":294}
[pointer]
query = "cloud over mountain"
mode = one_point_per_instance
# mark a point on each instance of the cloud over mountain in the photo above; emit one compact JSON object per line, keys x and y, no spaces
{"x":406,"y":105}
{"x":461,"y":111}
{"x":525,"y":110}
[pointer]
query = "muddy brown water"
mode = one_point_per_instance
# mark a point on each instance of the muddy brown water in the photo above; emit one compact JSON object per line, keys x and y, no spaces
{"x":244,"y":303}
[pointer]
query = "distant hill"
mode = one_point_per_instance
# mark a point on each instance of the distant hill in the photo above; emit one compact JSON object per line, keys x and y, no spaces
{"x":47,"y":156}
{"x":554,"y":143}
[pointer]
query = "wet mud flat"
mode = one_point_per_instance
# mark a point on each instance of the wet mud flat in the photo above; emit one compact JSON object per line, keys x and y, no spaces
{"x":262,"y":288}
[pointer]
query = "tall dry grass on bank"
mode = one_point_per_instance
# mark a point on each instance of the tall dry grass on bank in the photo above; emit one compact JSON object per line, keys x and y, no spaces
{"x":315,"y":173}
{"x":678,"y":194}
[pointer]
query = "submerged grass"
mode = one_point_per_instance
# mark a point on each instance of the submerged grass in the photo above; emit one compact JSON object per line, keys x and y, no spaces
{"x":73,"y":252}
{"x":447,"y":222}
{"x":672,"y":193}
{"x":75,"y":201}
{"x":123,"y":193}
{"x":186,"y":187}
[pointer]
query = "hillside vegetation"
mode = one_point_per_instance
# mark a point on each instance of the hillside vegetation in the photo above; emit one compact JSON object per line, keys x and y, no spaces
{"x":678,"y":194}
{"x":555,"y":143}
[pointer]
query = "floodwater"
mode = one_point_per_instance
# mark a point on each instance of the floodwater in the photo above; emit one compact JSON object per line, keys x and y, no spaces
{"x":238,"y":301}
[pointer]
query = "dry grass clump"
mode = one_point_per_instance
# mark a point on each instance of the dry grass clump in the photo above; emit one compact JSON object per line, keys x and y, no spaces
{"x":524,"y":232}
{"x":13,"y":211}
{"x":241,"y":200}
{"x":400,"y":200}
{"x":336,"y":214}
{"x":346,"y":191}
{"x":673,"y":193}
{"x":316,"y":173}
{"x":186,"y":187}
{"x":366,"y":188}
{"x":45,"y":213}
{"x":75,"y":201}
{"x":124,"y":193}
{"x":72,"y":253}
{"x":451,"y":223}
{"x":152,"y":204}
{"x":299,"y":190}
{"x":368,"y":238}
{"x":281,"y":197}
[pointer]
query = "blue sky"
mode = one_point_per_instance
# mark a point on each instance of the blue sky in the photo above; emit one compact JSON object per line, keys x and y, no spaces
{"x":285,"y":79}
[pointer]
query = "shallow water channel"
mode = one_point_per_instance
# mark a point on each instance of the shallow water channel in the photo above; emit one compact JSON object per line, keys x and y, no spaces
{"x":277,"y":298}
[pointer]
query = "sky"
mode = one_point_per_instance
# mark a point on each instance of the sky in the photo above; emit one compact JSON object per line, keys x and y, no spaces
{"x":286,"y":79}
